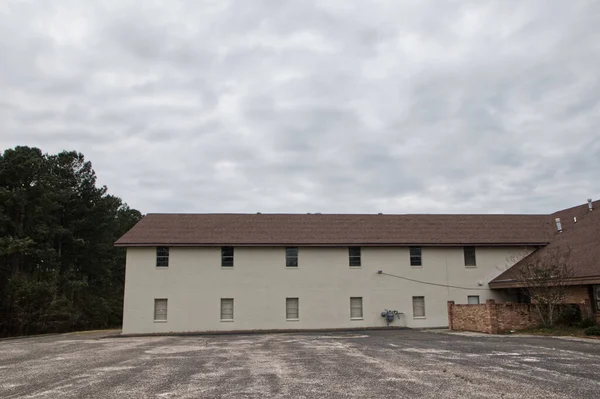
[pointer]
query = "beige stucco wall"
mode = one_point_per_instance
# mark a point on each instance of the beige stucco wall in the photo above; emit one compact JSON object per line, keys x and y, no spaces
{"x":259,"y":282}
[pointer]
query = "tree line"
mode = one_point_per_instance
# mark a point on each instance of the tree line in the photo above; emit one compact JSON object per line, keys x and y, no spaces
{"x":59,"y":269}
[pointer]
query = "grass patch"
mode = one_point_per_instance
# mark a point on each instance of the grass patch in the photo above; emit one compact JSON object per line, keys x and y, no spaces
{"x":555,"y":331}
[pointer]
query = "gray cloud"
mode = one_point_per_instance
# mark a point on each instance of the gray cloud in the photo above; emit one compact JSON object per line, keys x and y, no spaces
{"x":307,"y":106}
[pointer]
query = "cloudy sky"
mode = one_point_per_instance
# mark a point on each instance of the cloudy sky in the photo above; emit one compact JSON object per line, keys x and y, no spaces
{"x":312,"y":106}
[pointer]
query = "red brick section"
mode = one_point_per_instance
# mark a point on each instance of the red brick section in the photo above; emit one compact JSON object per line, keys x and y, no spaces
{"x":491,"y":317}
{"x":494,"y":318}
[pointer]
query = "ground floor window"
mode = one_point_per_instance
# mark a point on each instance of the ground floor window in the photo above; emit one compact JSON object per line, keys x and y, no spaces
{"x":356,"y":308}
{"x":292,"y":309}
{"x":226,"y":308}
{"x":597,"y":297}
{"x":473,"y":299}
{"x":418,"y":306}
{"x":160,"y":309}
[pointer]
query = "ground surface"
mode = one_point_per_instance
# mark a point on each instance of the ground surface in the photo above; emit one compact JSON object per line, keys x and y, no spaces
{"x":377,"y":364}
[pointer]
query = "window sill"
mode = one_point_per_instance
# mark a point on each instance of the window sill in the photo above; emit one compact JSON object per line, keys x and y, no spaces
{"x":226,"y":267}
{"x":470,"y":267}
{"x":160,"y":321}
{"x":356,"y":318}
{"x":355,"y":267}
{"x":291,"y":268}
{"x":226,"y":320}
{"x":161,"y":267}
{"x":416,"y":267}
{"x":419,"y":317}
{"x":292,"y":319}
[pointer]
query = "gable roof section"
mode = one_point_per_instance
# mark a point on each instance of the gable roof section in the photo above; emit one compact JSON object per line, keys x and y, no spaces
{"x":337,"y":230}
{"x":581,"y":238}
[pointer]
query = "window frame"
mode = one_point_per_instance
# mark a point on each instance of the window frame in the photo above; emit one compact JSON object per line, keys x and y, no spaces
{"x":161,"y":257}
{"x":166,"y":312}
{"x":354,"y":257}
{"x":287,"y":308}
{"x":225,"y":300}
{"x":353,"y":315}
{"x":225,"y":257}
{"x":418,"y":256}
{"x":473,"y":296}
{"x":415,"y":306}
{"x":291,"y":261}
{"x":470,"y":258}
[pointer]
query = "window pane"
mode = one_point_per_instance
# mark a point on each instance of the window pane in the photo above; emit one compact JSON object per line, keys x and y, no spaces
{"x":356,"y":310}
{"x":415,"y":256}
{"x":418,"y":306}
{"x":291,"y":308}
{"x":227,"y":256}
{"x":473,"y":299}
{"x":160,"y":309}
{"x":354,"y":251}
{"x":470,"y":259}
{"x":291,"y":262}
{"x":226,"y":309}
{"x":291,"y":251}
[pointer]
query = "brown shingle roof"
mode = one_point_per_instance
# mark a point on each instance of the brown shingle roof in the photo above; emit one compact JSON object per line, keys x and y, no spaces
{"x":581,"y":238}
{"x":337,"y":229}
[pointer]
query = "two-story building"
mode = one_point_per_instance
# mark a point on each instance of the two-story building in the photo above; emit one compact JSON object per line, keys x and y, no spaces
{"x":226,"y":272}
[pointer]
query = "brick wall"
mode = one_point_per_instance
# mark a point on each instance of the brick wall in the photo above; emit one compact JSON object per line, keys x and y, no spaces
{"x":468,"y":317}
{"x":491,"y":317}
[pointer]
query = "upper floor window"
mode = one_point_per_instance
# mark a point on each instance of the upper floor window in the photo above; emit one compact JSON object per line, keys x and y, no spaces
{"x":354,"y":253}
{"x":291,"y":257}
{"x":415,"y":256}
{"x":226,"y":256}
{"x":470,"y":259}
{"x":162,"y":256}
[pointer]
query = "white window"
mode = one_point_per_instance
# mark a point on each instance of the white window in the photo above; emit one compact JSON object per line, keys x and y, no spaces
{"x":292,"y":309}
{"x":356,"y":308}
{"x":162,"y":256}
{"x":160,"y":309}
{"x":226,"y":308}
{"x":473,"y":299}
{"x":418,"y":306}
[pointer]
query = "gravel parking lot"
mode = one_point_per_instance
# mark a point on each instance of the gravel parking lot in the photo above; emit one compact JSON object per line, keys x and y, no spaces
{"x":374,"y":364}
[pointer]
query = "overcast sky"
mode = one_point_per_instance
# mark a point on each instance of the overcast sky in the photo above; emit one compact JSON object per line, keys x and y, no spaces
{"x":312,"y":106}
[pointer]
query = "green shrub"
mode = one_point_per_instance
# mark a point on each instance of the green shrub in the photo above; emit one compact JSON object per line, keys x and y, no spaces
{"x":589,"y":322}
{"x":595,"y":331}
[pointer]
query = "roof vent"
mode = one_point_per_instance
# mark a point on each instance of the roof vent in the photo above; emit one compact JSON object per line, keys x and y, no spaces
{"x":258,"y":213}
{"x":590,"y":206}
{"x":558,"y":225}
{"x":380,"y":213}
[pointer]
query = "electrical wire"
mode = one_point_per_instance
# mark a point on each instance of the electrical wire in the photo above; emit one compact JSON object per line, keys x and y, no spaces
{"x":436,"y":284}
